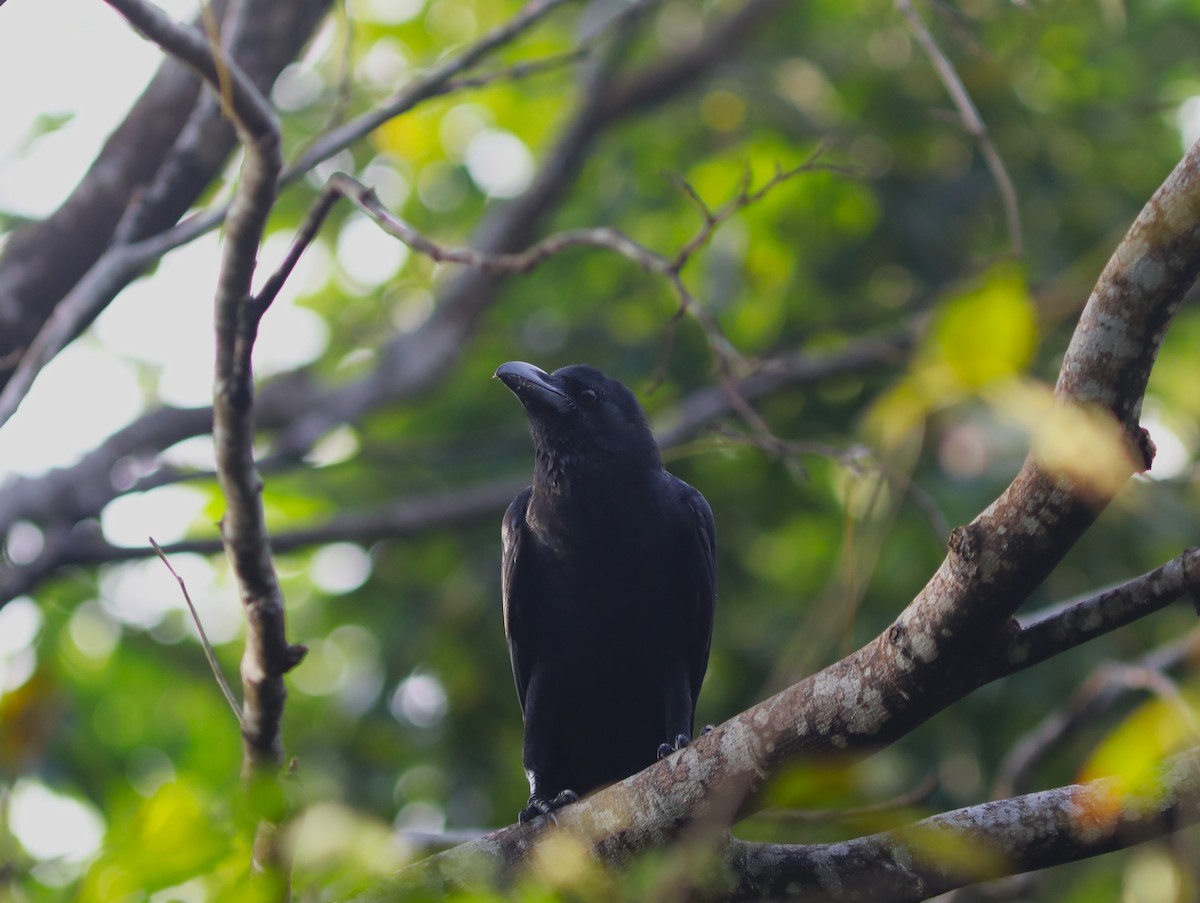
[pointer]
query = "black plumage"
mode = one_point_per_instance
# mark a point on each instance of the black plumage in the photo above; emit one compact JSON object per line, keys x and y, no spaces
{"x":609,"y":579}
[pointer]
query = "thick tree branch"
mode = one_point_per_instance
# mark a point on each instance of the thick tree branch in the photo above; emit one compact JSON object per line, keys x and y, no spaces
{"x":915,"y":862}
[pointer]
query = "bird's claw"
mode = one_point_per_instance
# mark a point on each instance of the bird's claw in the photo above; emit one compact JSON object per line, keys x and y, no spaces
{"x":681,"y":740}
{"x":539,"y":805}
{"x":665,"y":749}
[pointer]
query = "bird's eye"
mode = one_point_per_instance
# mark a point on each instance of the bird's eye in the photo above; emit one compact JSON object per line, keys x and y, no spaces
{"x":588,"y":397}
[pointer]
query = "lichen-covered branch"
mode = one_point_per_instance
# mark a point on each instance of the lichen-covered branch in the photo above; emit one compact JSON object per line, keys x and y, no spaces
{"x":1049,"y":633}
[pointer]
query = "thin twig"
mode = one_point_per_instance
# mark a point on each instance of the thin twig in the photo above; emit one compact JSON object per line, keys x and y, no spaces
{"x":855,"y":457}
{"x":204,"y":642}
{"x":971,"y":120}
{"x":1099,"y":693}
{"x":732,"y":366}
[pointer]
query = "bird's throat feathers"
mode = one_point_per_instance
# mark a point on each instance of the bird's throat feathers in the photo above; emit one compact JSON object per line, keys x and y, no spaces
{"x":592,"y":473}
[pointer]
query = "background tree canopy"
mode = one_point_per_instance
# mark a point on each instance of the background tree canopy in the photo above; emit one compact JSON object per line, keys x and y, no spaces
{"x":846,"y":308}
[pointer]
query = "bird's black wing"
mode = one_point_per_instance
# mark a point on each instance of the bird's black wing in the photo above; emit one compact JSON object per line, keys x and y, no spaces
{"x":518,"y":623}
{"x":698,"y":580}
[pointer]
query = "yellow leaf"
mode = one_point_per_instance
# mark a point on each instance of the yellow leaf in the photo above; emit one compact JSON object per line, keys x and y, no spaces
{"x":988,"y":333}
{"x":1083,"y":444}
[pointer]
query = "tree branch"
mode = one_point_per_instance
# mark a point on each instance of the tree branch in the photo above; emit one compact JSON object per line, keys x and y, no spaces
{"x":1108,"y":684}
{"x":1048,"y":633}
{"x":268,"y":655}
{"x":969,"y":845}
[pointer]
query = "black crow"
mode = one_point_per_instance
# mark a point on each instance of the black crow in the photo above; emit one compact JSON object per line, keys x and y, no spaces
{"x":609,"y":576}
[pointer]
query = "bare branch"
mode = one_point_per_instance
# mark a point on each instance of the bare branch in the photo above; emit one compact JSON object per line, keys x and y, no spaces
{"x":42,"y":263}
{"x":435,"y":82}
{"x":365,"y":199}
{"x":1049,"y":633}
{"x":62,"y":501}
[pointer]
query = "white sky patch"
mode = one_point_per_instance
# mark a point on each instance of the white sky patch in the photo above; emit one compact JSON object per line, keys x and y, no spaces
{"x":290,"y":334}
{"x":383,"y":66}
{"x":389,"y":12}
{"x":81,"y":397}
{"x":52,"y":826}
{"x":196,"y":452}
{"x":298,"y":86}
{"x":20,"y":623}
{"x":460,"y":125}
{"x":369,"y":255}
{"x":340,"y":567}
{"x":164,"y":513}
{"x":24,"y":543}
{"x":93,"y":632}
{"x":289,"y":337}
{"x":338,"y":445}
{"x":138,"y":594}
{"x":499,"y":163}
{"x":166,"y":320}
{"x":37,"y":178}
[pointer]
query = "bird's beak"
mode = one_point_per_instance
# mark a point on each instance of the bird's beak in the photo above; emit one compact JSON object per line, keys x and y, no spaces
{"x":534,"y":387}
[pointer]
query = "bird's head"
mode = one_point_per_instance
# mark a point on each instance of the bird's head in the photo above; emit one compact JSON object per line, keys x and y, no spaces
{"x":581,"y":420}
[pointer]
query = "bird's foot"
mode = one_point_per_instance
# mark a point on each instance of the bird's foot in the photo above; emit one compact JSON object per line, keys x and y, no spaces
{"x":681,"y":740}
{"x":539,"y":805}
{"x":665,"y":749}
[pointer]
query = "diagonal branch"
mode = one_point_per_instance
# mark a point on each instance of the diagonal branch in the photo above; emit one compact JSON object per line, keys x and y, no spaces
{"x":1099,"y":693}
{"x":198,"y":154}
{"x":1049,"y":633}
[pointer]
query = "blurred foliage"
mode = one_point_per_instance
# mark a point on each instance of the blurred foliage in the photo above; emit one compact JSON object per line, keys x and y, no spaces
{"x":404,"y":714}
